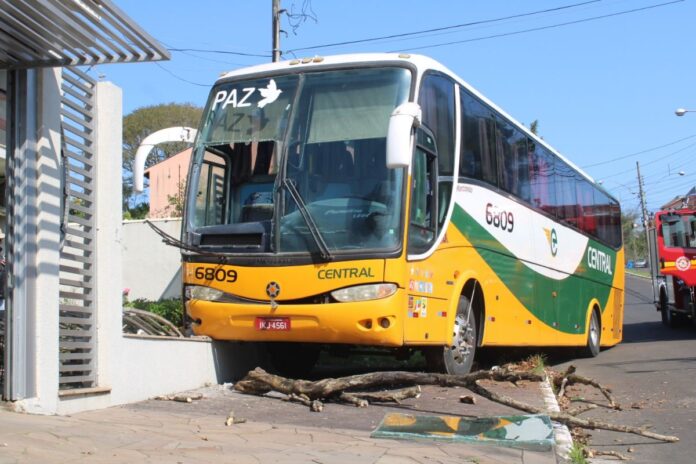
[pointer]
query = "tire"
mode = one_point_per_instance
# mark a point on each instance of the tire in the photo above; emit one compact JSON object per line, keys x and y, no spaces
{"x":669,"y":318}
{"x":293,"y":360}
{"x":594,"y":336}
{"x":458,"y":359}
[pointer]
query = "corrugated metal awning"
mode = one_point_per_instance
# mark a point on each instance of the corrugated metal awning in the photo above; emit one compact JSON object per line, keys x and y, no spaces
{"x":40,"y":33}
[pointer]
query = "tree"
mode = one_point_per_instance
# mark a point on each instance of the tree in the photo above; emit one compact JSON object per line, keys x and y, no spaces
{"x":635,"y":245}
{"x":143,"y":122}
{"x":175,"y":202}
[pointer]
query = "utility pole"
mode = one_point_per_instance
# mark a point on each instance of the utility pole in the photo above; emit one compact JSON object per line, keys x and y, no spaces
{"x":644,"y":212}
{"x":276,"y":30}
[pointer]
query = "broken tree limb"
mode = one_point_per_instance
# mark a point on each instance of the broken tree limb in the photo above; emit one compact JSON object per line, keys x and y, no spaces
{"x":569,"y":420}
{"x":574,"y":378}
{"x":259,"y":382}
{"x":594,"y":453}
{"x":581,"y":409}
{"x":313,"y":405}
{"x":569,"y":377}
{"x":389,"y":396}
{"x":353,"y":399}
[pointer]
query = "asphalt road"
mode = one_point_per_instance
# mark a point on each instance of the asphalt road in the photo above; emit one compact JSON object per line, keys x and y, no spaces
{"x":654,"y":370}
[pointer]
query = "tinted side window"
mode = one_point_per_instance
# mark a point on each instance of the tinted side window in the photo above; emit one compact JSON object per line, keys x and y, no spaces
{"x":585,"y":194}
{"x":566,"y":195}
{"x":477,"y":159}
{"x":513,"y":160}
{"x":437,"y":102}
{"x":542,"y":179}
{"x":608,"y":215}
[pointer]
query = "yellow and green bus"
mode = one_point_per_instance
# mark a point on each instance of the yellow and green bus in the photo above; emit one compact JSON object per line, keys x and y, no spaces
{"x":379,"y":200}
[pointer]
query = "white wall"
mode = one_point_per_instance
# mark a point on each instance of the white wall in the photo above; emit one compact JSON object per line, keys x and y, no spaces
{"x":146,"y":367}
{"x":129,"y":368}
{"x":151,"y":269}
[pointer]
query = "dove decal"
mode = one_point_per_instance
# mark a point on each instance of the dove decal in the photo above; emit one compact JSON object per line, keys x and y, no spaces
{"x":269,"y":94}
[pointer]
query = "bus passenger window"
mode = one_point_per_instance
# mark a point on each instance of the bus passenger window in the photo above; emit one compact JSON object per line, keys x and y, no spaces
{"x":566,"y":195}
{"x":437,"y":102}
{"x":513,"y":160}
{"x":477,"y":159}
{"x":542,"y":180}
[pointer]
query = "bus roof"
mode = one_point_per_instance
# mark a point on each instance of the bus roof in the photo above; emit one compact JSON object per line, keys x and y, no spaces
{"x":421,"y":62}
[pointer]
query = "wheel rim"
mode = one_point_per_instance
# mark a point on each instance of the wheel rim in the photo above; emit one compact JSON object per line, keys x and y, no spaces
{"x":594,"y":330}
{"x":462,"y":340}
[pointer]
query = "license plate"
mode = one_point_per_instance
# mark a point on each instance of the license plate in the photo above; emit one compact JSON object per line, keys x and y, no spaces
{"x":272,"y":323}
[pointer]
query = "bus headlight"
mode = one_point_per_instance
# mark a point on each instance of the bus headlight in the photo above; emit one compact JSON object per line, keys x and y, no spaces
{"x":200,"y":292}
{"x":364,"y":292}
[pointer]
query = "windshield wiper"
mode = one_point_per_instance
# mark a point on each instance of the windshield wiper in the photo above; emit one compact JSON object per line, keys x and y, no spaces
{"x":313,"y":229}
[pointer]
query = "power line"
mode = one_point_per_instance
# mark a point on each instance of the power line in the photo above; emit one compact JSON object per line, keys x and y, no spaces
{"x":653,"y":161}
{"x":221,"y":52}
{"x":541,"y":28}
{"x":176,"y":76}
{"x":438,"y":29}
{"x":618,"y":158}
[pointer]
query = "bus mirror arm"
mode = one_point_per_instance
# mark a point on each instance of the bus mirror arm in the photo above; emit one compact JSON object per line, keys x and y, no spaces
{"x":171,"y":134}
{"x":401,"y":122}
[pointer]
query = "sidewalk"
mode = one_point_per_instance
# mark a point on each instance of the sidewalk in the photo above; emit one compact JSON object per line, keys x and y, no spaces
{"x":169,"y":432}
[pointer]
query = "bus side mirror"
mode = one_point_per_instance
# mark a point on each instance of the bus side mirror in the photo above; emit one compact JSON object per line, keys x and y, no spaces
{"x":401,"y":122}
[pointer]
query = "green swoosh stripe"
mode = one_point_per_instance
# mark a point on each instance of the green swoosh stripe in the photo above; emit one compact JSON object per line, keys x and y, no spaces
{"x":533,"y":289}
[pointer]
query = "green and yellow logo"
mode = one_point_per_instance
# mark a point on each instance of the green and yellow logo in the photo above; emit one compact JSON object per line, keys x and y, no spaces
{"x":552,"y":238}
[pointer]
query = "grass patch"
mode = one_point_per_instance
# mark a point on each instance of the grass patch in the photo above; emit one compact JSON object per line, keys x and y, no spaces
{"x":537,"y":363}
{"x":577,"y":454}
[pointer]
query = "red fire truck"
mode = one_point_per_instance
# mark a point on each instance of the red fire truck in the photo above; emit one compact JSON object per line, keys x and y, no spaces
{"x":673,"y":264}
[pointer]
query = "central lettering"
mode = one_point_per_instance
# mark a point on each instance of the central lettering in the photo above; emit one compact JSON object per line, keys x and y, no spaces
{"x":345,"y":273}
{"x":599,"y":260}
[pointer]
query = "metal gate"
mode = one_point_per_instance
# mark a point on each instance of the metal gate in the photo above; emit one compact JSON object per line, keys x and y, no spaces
{"x":78,"y":338}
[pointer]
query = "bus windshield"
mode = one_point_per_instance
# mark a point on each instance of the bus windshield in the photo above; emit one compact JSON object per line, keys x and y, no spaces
{"x":302,"y":156}
{"x":679,"y":230}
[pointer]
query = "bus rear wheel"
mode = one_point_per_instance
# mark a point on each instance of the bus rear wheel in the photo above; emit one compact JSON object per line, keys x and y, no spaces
{"x":458,"y":358}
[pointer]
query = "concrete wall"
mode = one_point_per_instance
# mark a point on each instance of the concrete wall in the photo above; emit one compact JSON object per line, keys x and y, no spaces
{"x":167,"y":179}
{"x":151,"y":269}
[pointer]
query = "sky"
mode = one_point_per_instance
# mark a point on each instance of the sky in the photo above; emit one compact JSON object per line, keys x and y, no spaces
{"x":603,"y":77}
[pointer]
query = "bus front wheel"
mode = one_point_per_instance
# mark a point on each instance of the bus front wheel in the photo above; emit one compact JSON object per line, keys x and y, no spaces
{"x":458,"y":358}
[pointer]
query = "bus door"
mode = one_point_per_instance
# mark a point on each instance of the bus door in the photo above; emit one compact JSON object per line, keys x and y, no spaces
{"x":427,"y":306}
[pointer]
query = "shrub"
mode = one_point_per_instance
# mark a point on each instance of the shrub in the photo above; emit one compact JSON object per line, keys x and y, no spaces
{"x":171,"y":309}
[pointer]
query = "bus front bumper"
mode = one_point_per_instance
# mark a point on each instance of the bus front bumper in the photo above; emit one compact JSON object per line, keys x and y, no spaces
{"x":374,"y":322}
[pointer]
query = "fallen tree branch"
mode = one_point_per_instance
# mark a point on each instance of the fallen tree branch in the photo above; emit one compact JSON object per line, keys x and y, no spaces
{"x":391,"y":396}
{"x":581,"y":409}
{"x":569,"y":377}
{"x":313,"y":405}
{"x":591,"y":453}
{"x":259,"y":382}
{"x":569,"y":420}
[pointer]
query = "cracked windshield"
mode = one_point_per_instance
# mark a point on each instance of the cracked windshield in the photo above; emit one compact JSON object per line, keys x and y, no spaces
{"x":301,"y":158}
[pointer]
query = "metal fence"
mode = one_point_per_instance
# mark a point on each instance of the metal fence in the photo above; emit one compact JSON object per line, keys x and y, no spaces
{"x":78,"y":341}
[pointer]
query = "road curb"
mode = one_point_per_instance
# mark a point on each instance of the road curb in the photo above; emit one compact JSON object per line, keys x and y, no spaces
{"x":561,"y":434}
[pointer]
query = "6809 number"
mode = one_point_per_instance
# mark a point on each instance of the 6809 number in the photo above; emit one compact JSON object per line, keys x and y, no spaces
{"x":499,"y":218}
{"x":211,"y":273}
